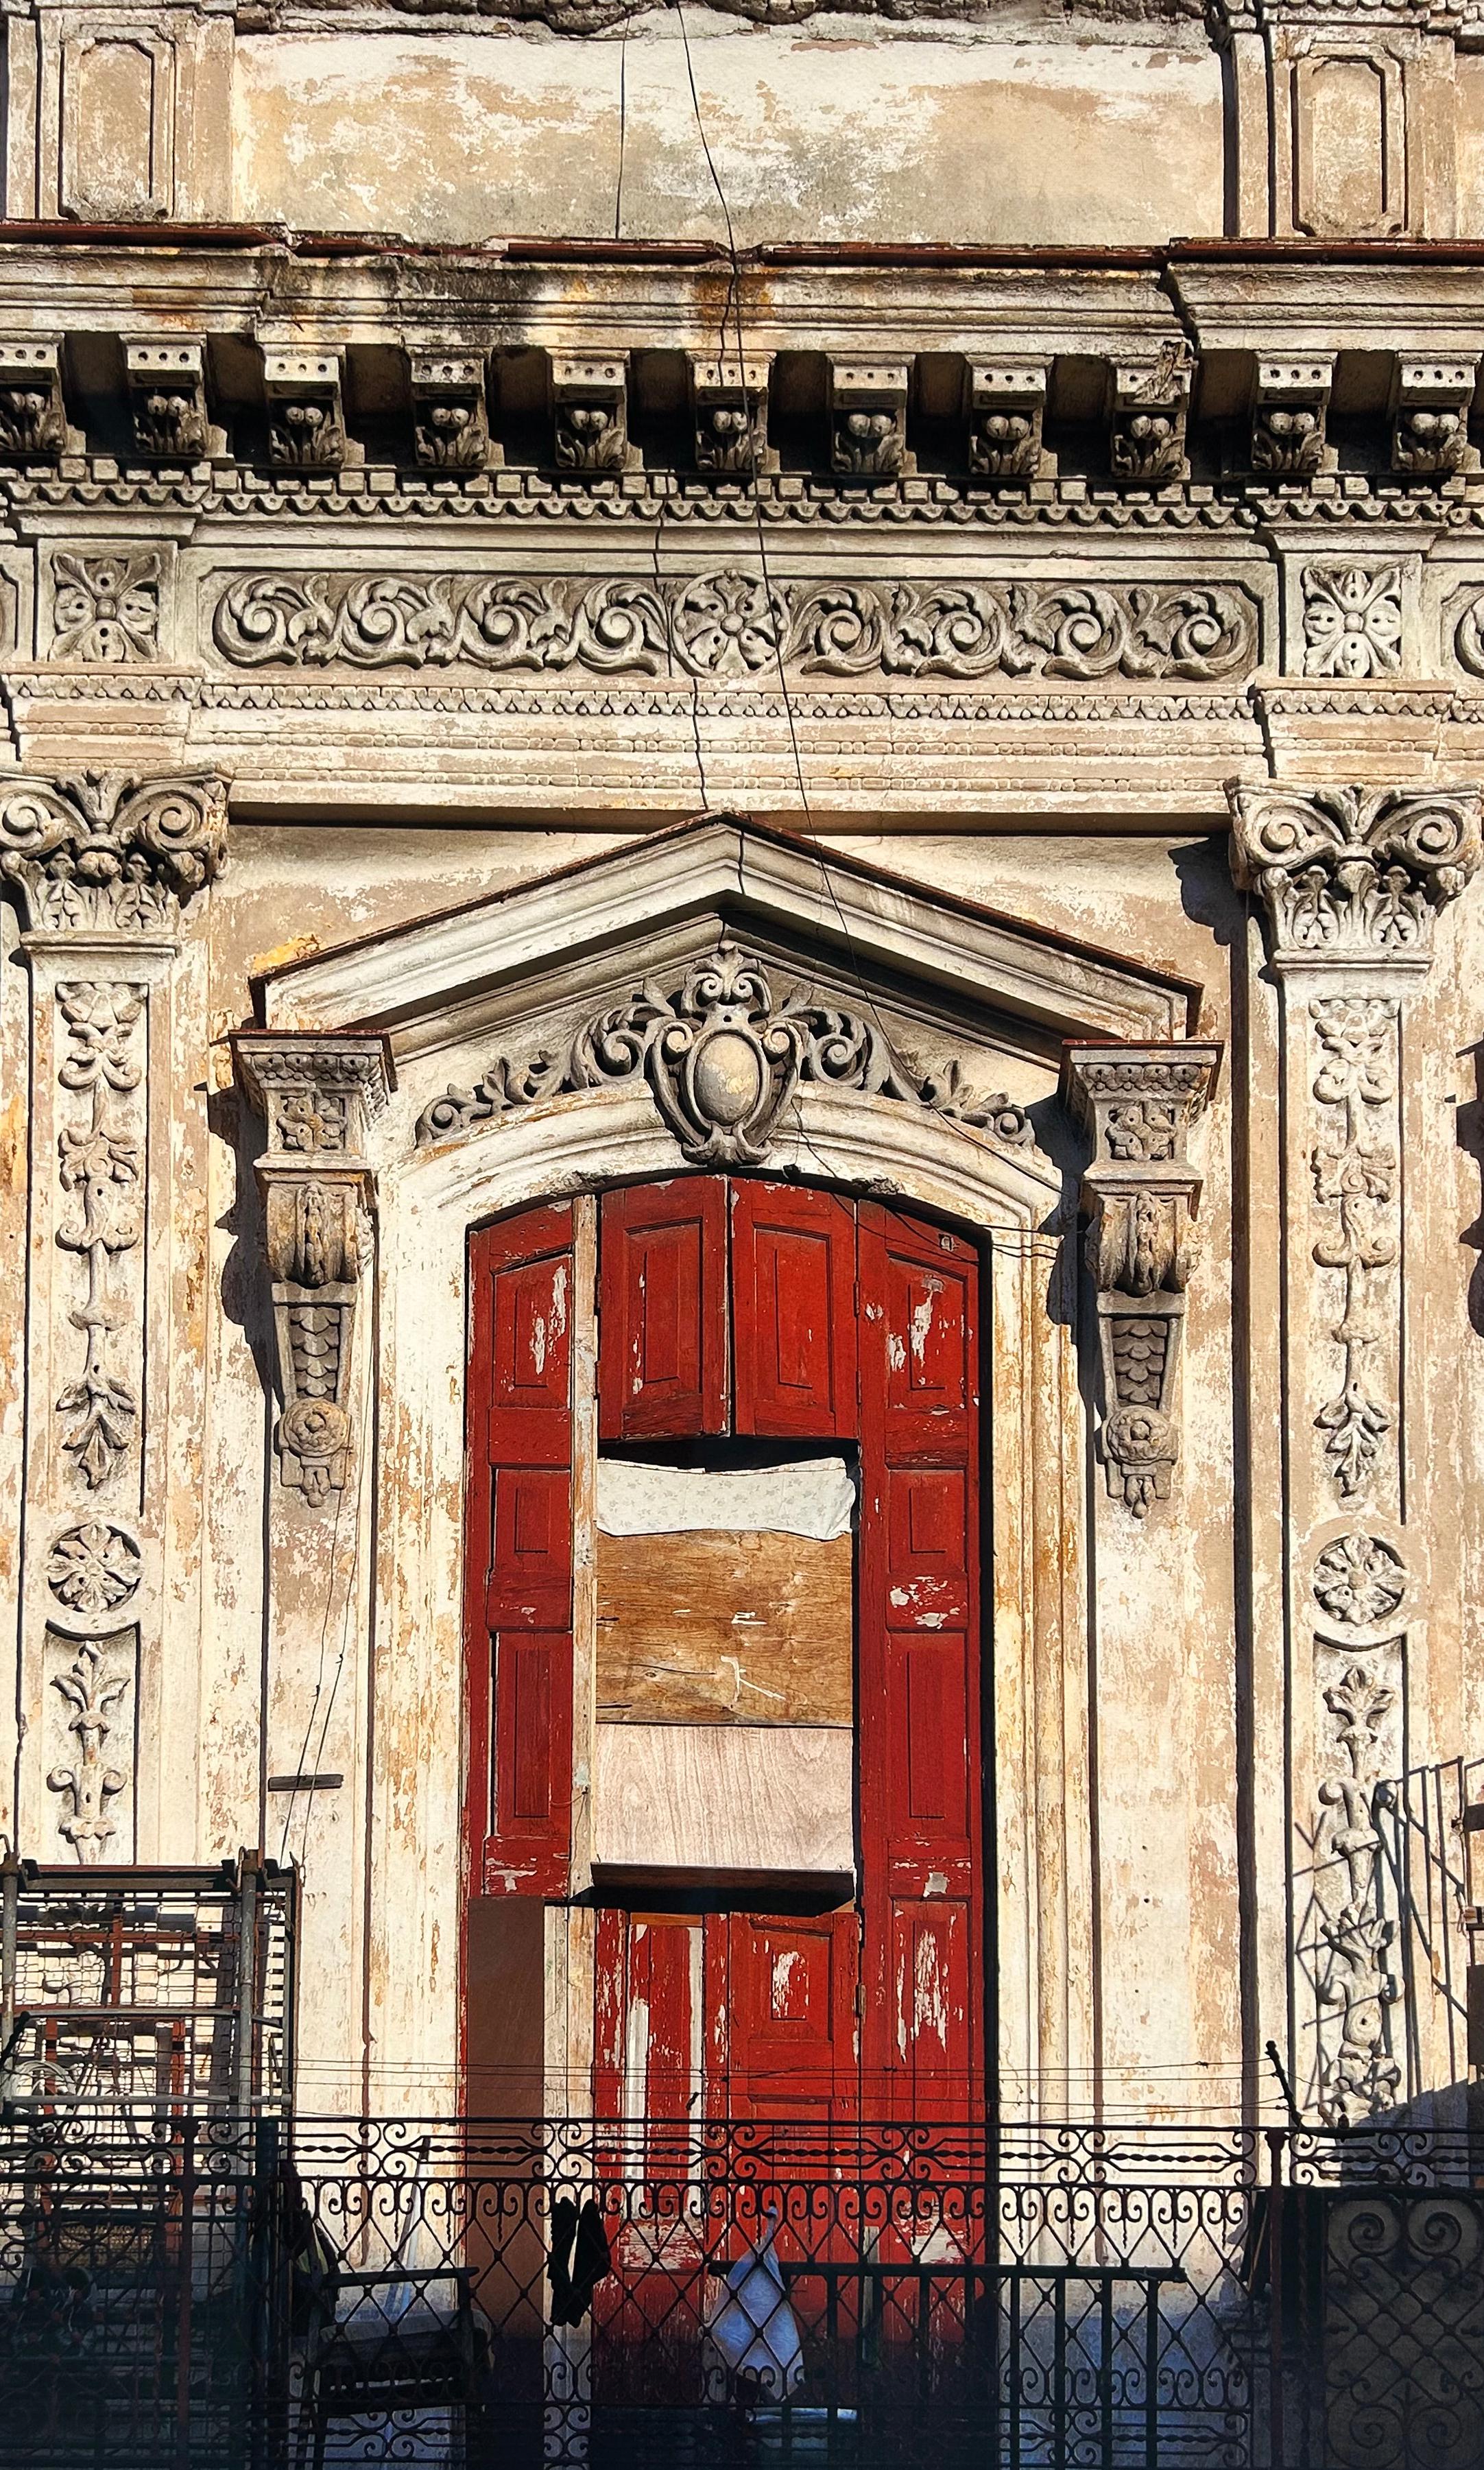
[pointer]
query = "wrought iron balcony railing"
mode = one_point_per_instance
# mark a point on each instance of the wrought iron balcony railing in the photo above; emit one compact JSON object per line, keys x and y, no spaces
{"x":188,"y":2292}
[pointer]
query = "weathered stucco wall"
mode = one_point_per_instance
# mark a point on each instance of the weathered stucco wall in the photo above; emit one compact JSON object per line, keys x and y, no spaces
{"x":823,"y":135}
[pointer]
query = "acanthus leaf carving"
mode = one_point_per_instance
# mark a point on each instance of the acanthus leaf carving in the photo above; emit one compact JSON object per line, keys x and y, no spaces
{"x":722,"y":1060}
{"x":91,"y":1783}
{"x":728,"y":623}
{"x":1357,"y":2076}
{"x":108,"y":850}
{"x":101,"y":1170}
{"x":1354,"y":873}
{"x":1358,"y":1189}
{"x":1140,"y":1193}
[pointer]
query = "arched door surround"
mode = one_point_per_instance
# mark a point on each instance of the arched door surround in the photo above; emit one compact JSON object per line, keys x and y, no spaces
{"x":977,"y":1001}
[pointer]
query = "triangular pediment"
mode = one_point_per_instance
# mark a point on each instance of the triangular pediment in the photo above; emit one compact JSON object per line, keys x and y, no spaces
{"x":830,"y":926}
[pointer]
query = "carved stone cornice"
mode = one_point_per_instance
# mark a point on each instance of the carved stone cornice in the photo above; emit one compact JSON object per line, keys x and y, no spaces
{"x":318,"y":1095}
{"x":1354,"y":875}
{"x":1139,"y":1193}
{"x":100,"y":851}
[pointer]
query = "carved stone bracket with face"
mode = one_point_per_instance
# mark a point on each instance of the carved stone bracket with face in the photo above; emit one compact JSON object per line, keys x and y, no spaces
{"x":1290,"y":400}
{"x":590,"y":402}
{"x":1007,"y":406}
{"x":318,"y":1095}
{"x":1146,"y":409}
{"x":305,"y":410}
{"x":450,"y":421}
{"x":729,"y":407}
{"x":868,"y":419}
{"x":1429,"y":417}
{"x":1139,"y":1193}
{"x":167,"y":399}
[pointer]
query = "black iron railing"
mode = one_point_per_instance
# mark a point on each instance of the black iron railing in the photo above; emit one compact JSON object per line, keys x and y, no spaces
{"x":192,"y":2292}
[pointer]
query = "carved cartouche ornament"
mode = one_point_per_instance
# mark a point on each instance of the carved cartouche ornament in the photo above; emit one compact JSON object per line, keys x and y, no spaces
{"x":722,"y":1061}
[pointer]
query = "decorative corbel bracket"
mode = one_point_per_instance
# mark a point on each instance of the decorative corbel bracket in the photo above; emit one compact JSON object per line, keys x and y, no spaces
{"x":34,"y":427}
{"x":1007,"y":408}
{"x":318,"y":1094}
{"x":305,"y":411}
{"x":167,"y":398}
{"x":730,"y":410}
{"x":1290,"y":400}
{"x":868,"y":419}
{"x":1139,"y":1193}
{"x":1147,"y":402}
{"x":450,"y":421}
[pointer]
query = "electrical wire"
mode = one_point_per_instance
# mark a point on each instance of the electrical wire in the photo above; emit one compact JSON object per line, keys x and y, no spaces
{"x":623,"y":126}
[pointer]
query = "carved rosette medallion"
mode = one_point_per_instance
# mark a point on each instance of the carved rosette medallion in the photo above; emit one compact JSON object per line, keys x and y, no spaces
{"x":1140,"y":1193}
{"x":318,"y":1096}
{"x":722,"y":1060}
{"x":1360,"y":1581}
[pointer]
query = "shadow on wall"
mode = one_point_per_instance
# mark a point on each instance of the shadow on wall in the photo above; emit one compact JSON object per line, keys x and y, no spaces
{"x":1469,"y":1134}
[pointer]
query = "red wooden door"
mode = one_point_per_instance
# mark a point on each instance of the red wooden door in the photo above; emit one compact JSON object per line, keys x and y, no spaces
{"x":662,"y":1310}
{"x":780,"y":2016}
{"x":518,"y":1555}
{"x":847,"y":1322}
{"x":793,"y":1301}
{"x":918,"y":1685}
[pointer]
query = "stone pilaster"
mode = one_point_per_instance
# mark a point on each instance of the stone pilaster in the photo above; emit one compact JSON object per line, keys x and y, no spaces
{"x":1351,"y":881}
{"x":1139,"y":1192}
{"x":103,"y":865}
{"x":319,"y":1096}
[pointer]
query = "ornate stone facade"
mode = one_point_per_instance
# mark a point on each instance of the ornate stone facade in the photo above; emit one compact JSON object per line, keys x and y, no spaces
{"x":757,"y":613}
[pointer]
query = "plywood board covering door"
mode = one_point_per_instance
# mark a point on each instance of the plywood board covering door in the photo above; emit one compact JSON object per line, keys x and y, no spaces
{"x":719,"y":1628}
{"x":713,"y":1801}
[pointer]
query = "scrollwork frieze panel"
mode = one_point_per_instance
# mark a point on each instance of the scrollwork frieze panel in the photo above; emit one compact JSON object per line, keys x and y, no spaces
{"x":730,"y":625}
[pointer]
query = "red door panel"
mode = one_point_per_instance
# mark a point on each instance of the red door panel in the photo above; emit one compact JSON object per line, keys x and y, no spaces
{"x":647,"y":2042}
{"x":662,"y":1310}
{"x":917,"y":1665}
{"x":932,"y":2002}
{"x":780,"y":2014}
{"x":793,"y":1285}
{"x":518,"y":1554}
{"x":926,"y":1285}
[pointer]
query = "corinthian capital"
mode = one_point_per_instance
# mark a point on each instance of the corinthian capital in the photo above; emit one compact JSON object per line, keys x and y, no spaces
{"x":109,"y":851}
{"x":1355,"y":875}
